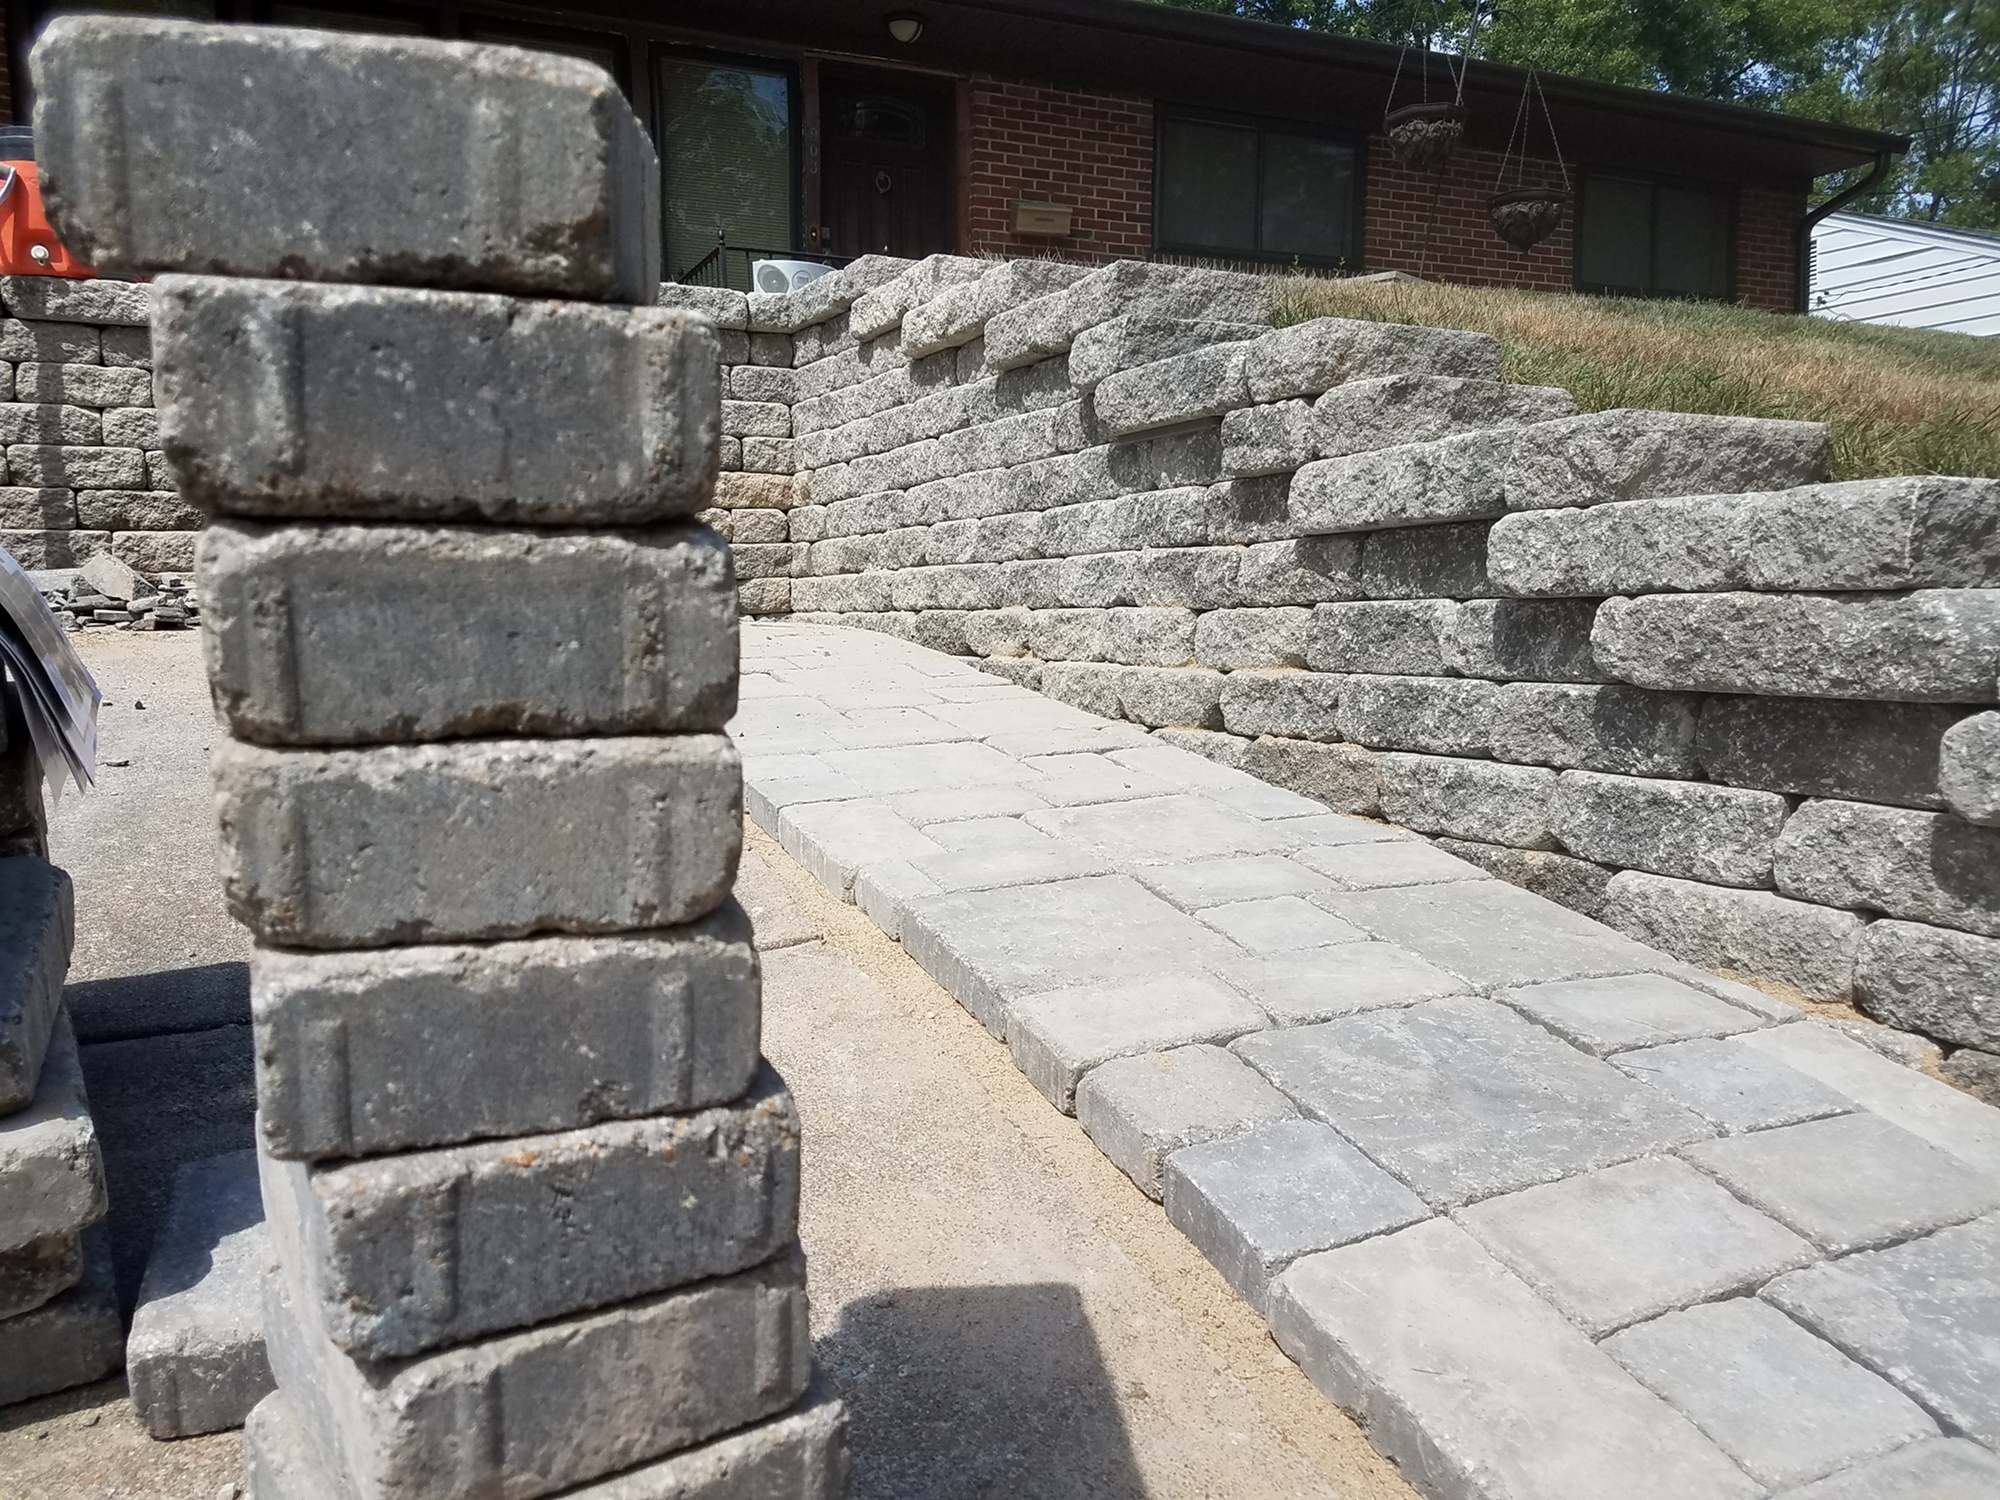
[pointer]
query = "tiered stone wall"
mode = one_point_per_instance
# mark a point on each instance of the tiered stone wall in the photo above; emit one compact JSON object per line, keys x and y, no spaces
{"x":1343,"y":556}
{"x":85,"y":473}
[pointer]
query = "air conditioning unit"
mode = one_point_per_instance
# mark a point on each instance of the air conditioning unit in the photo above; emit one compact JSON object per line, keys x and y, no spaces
{"x":785,"y":275}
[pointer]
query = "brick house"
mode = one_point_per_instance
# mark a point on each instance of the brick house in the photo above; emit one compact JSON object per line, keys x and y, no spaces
{"x":1104,"y":129}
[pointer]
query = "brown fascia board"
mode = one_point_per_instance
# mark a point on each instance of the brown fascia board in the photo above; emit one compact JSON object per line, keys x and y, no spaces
{"x":1192,"y":58}
{"x":1237,"y":33}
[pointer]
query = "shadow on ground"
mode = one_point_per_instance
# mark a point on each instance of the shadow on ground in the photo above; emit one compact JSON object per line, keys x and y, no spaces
{"x":978,"y":1393}
{"x":167,"y":1085}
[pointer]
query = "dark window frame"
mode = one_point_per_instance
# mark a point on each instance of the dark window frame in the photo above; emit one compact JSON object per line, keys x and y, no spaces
{"x":1654,"y":181}
{"x":1355,"y":141}
{"x":659,"y":50}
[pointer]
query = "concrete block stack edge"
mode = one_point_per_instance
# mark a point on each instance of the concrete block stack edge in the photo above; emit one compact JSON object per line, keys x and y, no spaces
{"x":473,"y":653}
{"x":1605,"y":654}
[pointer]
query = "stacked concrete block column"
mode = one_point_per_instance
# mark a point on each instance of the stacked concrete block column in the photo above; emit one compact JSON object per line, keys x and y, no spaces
{"x":486,"y":848}
{"x":59,"y":1323}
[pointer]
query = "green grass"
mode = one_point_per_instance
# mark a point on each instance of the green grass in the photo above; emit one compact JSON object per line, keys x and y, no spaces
{"x":1899,"y":400}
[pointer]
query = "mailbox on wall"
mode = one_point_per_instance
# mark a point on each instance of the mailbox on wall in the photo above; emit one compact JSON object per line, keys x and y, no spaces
{"x":1051,"y":219}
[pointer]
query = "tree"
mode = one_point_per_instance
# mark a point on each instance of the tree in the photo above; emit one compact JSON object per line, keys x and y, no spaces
{"x":1928,"y":69}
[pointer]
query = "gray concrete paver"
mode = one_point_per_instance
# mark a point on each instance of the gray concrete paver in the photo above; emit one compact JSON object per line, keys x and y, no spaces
{"x":1787,"y":1406}
{"x":1493,"y":933}
{"x":1546,"y":1124}
{"x":1633,"y":1241}
{"x":1280,"y":924}
{"x":1924,"y":1314}
{"x":1059,"y":1036}
{"x":1733,"y":1086}
{"x":1297,"y":989}
{"x":1254,"y":1203}
{"x":1140,"y":1110}
{"x":1463,"y":1099}
{"x":1946,"y":1469}
{"x":1476,"y":1386}
{"x":1604,"y":1016}
{"x":1888,"y":1184}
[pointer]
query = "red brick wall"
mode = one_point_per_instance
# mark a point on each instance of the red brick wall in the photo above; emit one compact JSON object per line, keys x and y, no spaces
{"x":1767,"y":222}
{"x":1093,"y":152}
{"x":1463,"y":246}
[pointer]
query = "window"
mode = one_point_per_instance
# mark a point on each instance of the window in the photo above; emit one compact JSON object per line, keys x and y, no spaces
{"x":1228,"y":188}
{"x":1642,"y":238}
{"x":726,"y":156}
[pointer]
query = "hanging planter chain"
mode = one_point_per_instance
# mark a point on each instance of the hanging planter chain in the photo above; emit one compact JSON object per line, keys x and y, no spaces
{"x":1525,"y":216}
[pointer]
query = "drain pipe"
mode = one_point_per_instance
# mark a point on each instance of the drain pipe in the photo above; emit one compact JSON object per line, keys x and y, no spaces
{"x":1833,"y":205}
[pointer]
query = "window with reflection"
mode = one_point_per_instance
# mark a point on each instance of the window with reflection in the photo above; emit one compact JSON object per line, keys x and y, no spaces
{"x":1641,"y":237}
{"x":1255,"y":191}
{"x":725,"y":156}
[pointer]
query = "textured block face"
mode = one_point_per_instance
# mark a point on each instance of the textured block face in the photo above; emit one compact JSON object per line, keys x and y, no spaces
{"x":51,"y":1176}
{"x":407,"y":1252}
{"x":167,"y":146}
{"x":366,"y":848}
{"x":1537,"y":640}
{"x":800,"y":1454}
{"x":1635,"y":455}
{"x":1681,"y":828}
{"x":1387,"y":411}
{"x":33,"y":1273}
{"x":1134,"y":339}
{"x":1618,"y":729}
{"x":1869,"y":534}
{"x":37,"y":926}
{"x":1932,"y":646}
{"x":69,"y":1340}
{"x":526,"y":1414}
{"x":1307,"y":358}
{"x":1470,"y":799}
{"x":1933,"y":980}
{"x":287,"y":399}
{"x":359,"y":1054}
{"x":1746,"y":932}
{"x":1869,"y":752}
{"x":1968,"y":769}
{"x":195,"y":1360}
{"x":311,"y":629}
{"x":1504,"y":1104}
{"x":1926,"y":867}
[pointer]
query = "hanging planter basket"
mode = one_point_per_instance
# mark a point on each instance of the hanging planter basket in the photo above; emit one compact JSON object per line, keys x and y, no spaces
{"x":1423,"y":136}
{"x":1527,"y":216}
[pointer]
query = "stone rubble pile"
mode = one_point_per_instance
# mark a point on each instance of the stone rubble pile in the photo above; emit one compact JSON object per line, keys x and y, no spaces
{"x":1648,"y":664}
{"x":106,"y":592}
{"x":531,"y":1190}
{"x":59,"y":1323}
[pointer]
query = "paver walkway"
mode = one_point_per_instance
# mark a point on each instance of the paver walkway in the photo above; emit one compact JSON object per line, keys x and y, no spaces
{"x":1554,"y":1214}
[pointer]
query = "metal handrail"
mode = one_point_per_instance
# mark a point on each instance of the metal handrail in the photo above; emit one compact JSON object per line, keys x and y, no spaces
{"x":713,"y":268}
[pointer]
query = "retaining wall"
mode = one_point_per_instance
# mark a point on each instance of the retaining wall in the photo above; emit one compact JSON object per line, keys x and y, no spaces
{"x":85,"y":473}
{"x":1344,"y":557}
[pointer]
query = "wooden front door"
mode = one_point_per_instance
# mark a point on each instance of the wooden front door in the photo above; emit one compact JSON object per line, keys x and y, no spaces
{"x":886,"y":152}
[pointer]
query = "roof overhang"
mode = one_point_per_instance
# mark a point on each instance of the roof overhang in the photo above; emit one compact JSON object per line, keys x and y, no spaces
{"x":1224,"y":62}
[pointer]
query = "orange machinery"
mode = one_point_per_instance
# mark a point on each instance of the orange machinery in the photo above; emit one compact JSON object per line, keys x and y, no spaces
{"x":28,"y":247}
